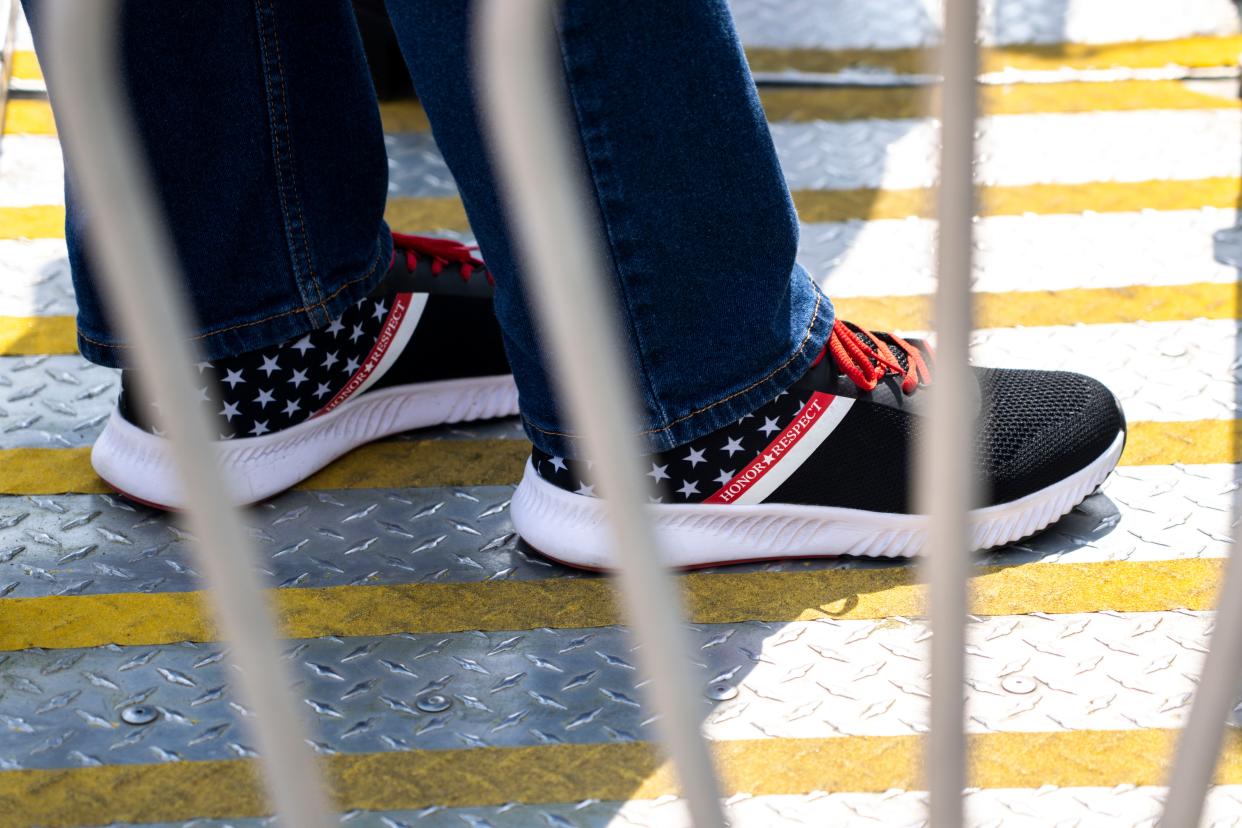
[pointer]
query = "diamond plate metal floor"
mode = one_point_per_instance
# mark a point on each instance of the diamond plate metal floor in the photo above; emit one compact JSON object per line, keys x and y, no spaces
{"x":454,"y":677}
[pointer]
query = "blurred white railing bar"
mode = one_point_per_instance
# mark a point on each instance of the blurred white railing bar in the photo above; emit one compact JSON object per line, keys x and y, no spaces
{"x":142,"y":284}
{"x":945,"y":465}
{"x":537,"y":162}
{"x":1199,"y":748}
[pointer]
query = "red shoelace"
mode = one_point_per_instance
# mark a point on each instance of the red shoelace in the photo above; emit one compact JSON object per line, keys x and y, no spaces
{"x":441,"y":252}
{"x":867,"y":365}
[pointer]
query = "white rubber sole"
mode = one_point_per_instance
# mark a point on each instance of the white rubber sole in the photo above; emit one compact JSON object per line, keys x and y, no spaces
{"x":571,"y":528}
{"x":137,"y":463}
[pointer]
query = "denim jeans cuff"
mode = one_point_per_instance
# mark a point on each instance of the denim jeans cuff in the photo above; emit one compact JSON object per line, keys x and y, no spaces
{"x":730,"y":407}
{"x":270,"y":327}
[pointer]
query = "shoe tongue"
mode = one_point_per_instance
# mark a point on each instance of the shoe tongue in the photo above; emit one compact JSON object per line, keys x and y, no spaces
{"x":903,"y":359}
{"x":826,"y":376}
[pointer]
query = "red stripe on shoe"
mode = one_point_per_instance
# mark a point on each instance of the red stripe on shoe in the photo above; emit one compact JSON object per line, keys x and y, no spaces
{"x":773,"y":466}
{"x":398,"y":325}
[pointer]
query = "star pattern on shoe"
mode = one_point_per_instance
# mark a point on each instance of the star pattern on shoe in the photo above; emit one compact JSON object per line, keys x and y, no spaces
{"x":693,"y":472}
{"x":274,"y":388}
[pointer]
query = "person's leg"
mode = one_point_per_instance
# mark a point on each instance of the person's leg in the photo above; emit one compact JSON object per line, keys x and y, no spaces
{"x":698,"y":220}
{"x":264,"y":140}
{"x":320,"y":330}
{"x":775,"y":430}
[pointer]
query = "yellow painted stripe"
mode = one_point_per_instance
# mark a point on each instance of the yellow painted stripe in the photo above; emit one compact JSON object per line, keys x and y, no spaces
{"x":34,"y":117}
{"x":1080,"y":306}
{"x":429,"y":214}
{"x":1199,"y":52}
{"x":798,"y":104}
{"x":20,"y":335}
{"x":866,"y":204}
{"x":1150,"y":54}
{"x":392,"y":464}
{"x":26,"y":66}
{"x":426,"y":463}
{"x":1039,"y":199}
{"x":141,"y":619}
{"x":1086,"y":306}
{"x":44,"y":221}
{"x":25,"y":116}
{"x":406,"y":780}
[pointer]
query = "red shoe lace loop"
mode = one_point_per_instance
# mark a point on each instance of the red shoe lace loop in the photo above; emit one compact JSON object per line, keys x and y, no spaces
{"x":441,"y":252}
{"x":866,"y":365}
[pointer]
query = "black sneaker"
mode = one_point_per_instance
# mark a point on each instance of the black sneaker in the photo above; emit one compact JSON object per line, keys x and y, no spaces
{"x":423,"y":349}
{"x":824,"y":468}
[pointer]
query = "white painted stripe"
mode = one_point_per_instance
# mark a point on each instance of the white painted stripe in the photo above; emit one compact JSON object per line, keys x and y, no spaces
{"x":1016,"y":149}
{"x":788,"y":463}
{"x":31,"y":171}
{"x":875,"y":258}
{"x":895,"y":24}
{"x":1123,"y":806}
{"x":900,"y":154}
{"x":895,"y":154}
{"x":1159,"y":370}
{"x":34,"y":278}
{"x":1022,"y":253}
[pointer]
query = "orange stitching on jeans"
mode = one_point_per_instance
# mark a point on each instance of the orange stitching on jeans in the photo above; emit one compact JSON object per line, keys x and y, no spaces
{"x":802,"y":347}
{"x":238,"y":326}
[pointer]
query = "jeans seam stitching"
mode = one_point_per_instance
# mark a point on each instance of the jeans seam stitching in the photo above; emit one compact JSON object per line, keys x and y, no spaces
{"x":608,"y":232}
{"x":283,"y":152}
{"x":819,"y":297}
{"x":209,"y":334}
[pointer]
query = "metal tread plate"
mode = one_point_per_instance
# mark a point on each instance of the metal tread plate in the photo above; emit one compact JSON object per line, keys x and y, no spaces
{"x":799,"y":680}
{"x":98,"y":544}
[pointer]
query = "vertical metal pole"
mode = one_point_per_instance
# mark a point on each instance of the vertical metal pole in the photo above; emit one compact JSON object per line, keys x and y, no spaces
{"x":1199,"y":747}
{"x":523,"y":89}
{"x":946,"y":459}
{"x":141,"y":281}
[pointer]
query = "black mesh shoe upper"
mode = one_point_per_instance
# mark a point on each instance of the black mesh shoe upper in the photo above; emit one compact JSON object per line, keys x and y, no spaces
{"x":1033,"y":429}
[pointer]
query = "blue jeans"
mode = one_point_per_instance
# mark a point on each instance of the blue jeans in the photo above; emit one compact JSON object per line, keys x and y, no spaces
{"x":265,"y":140}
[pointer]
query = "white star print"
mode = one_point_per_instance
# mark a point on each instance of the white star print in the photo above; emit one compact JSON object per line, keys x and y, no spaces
{"x":351,"y":366}
{"x":695,"y":457}
{"x":203,"y":395}
{"x":298,"y":378}
{"x":558,"y":463}
{"x":769,"y":425}
{"x":380,"y":310}
{"x":264,"y":398}
{"x":303,"y":345}
{"x":291,"y":408}
{"x":688,"y":487}
{"x":336,"y":327}
{"x":202,"y":366}
{"x":233,"y":378}
{"x":658,"y":473}
{"x":734,"y":445}
{"x":724,"y":477}
{"x":584,"y":489}
{"x":269,"y":365}
{"x":357,"y":332}
{"x":330,"y":359}
{"x":769,"y":458}
{"x":230,"y":411}
{"x":322,"y":389}
{"x":260,"y":427}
